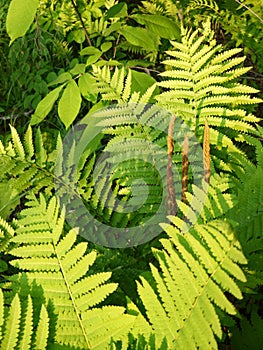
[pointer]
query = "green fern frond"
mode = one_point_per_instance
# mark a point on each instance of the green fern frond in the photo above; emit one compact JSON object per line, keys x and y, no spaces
{"x":137,"y":149}
{"x":118,"y":87}
{"x":18,"y":326}
{"x":200,"y":83}
{"x":55,"y":262}
{"x":198,"y":4}
{"x":6,"y":233}
{"x":23,"y":166}
{"x":42,"y":331}
{"x":249,"y":334}
{"x":202,"y":206}
{"x":248,"y":215}
{"x":196,"y":270}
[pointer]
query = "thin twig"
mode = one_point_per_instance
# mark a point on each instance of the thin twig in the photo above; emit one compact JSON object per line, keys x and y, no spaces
{"x":116,"y":45}
{"x":82,"y":23}
{"x":250,"y":10}
{"x":14,"y":116}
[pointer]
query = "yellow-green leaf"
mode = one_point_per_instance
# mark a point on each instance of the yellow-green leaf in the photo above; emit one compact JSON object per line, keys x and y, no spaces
{"x":20,"y":16}
{"x":69,"y":104}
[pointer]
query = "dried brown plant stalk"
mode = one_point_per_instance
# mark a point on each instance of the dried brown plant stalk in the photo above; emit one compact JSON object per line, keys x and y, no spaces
{"x":171,"y":200}
{"x":206,"y":153}
{"x":185,"y":167}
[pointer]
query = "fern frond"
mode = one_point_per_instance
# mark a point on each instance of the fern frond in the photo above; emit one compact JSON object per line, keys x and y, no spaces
{"x":196,"y":270}
{"x":18,"y":147}
{"x":198,"y":4}
{"x":118,"y":87}
{"x":200,"y":83}
{"x":136,"y":143}
{"x":202,"y":206}
{"x":249,"y":334}
{"x":42,"y":330}
{"x":248,"y":215}
{"x":56,"y":263}
{"x":23,"y":166}
{"x":11,"y":334}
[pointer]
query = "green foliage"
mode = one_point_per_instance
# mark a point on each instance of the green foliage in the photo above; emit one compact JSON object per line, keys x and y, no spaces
{"x":201,"y":84}
{"x":51,"y":259}
{"x":242,"y":22}
{"x":24,"y":166}
{"x":19,"y":329}
{"x":198,"y":284}
{"x":248,"y":335}
{"x":199,"y":266}
{"x":22,"y":15}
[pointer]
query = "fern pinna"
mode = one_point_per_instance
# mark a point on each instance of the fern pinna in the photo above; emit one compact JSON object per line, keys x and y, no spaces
{"x":24,"y":325}
{"x":50,"y":258}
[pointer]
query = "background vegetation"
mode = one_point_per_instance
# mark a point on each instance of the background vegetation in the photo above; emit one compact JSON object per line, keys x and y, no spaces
{"x":199,"y":284}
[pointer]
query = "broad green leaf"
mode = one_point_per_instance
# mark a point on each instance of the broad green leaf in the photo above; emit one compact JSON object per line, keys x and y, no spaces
{"x":90,"y":50}
{"x":92,"y":59}
{"x":87,"y":84}
{"x":140,"y":37}
{"x":20,"y":16}
{"x":69,"y":104}
{"x":141,"y":81}
{"x":45,"y":106}
{"x":160,"y":25}
{"x":78,"y":69}
{"x":112,"y":28}
{"x":106,"y":46}
{"x":119,"y":10}
{"x":62,"y":78}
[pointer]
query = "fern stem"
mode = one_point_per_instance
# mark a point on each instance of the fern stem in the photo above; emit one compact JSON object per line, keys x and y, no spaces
{"x":206,"y":153}
{"x":185,"y":167}
{"x":71,"y":298}
{"x":171,"y":200}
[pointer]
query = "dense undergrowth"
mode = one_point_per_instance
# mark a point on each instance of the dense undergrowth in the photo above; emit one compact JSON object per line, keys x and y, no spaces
{"x":168,"y":94}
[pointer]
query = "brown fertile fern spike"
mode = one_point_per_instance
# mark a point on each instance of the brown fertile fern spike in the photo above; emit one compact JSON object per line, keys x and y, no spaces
{"x":185,"y":166}
{"x":171,"y":201}
{"x":206,"y":153}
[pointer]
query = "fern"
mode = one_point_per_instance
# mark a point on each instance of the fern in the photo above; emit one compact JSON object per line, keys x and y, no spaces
{"x":201,"y":86}
{"x":198,"y":4}
{"x":23,"y":166}
{"x":18,"y":328}
{"x":132,"y":158}
{"x":160,"y":7}
{"x":249,"y":334}
{"x":202,"y":207}
{"x":50,"y":257}
{"x":248,"y":216}
{"x":196,"y":270}
{"x":118,"y":87}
